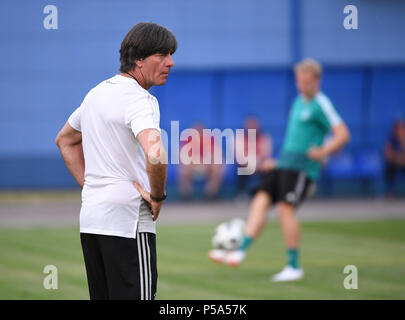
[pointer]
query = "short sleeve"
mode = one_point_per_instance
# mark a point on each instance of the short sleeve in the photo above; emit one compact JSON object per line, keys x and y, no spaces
{"x":74,"y":119}
{"x":328,"y":115}
{"x":142,"y":114}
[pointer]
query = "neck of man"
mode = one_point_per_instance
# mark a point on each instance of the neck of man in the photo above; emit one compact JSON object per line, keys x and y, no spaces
{"x":136,"y":75}
{"x":309,"y":95}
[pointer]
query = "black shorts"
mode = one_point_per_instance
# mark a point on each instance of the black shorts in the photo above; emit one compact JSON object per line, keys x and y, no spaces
{"x":120,"y":268}
{"x":287,"y":186}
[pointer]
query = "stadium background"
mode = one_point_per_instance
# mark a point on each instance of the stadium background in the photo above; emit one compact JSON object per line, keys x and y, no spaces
{"x":234,"y":59}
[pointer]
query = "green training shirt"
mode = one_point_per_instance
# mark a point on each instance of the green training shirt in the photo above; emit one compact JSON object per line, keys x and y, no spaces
{"x":308,"y":124}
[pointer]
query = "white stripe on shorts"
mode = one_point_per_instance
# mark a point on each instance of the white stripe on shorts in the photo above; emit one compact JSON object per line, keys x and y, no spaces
{"x":145,"y":267}
{"x":299,"y":188}
{"x":140,"y":266}
{"x":149,"y":268}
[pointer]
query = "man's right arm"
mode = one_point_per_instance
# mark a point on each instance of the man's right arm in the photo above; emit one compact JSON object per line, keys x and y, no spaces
{"x":69,"y":142}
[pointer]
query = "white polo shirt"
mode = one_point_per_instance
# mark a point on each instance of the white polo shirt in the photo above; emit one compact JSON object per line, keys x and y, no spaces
{"x":110,"y":117}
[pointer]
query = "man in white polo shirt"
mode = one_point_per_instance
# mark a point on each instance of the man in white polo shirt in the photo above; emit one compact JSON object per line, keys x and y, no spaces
{"x":112,"y":146}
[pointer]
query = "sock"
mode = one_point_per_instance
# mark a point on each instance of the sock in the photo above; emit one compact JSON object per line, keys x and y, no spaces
{"x":246,"y":242}
{"x":292,"y":257}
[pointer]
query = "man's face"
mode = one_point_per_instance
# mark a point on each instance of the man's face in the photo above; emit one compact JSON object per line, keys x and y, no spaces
{"x":307,"y":83}
{"x":156,"y":68}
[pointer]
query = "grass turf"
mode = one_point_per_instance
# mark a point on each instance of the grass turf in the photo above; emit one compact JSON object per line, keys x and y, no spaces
{"x":376,"y":248}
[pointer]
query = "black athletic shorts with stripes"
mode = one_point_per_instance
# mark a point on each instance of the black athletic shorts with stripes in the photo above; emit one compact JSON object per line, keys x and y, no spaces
{"x":288,"y":186}
{"x":120,"y":268}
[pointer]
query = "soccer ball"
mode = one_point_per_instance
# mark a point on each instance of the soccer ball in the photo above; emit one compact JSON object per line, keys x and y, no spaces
{"x":228,"y":235}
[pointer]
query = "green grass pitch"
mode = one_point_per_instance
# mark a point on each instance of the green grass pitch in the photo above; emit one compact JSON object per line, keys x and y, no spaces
{"x":376,"y":248}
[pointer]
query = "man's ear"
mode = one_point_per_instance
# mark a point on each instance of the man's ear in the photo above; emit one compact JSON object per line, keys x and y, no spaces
{"x":139,"y":63}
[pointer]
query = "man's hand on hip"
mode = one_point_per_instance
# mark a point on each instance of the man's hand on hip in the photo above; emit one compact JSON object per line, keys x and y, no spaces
{"x":153,"y":205}
{"x":317,"y":153}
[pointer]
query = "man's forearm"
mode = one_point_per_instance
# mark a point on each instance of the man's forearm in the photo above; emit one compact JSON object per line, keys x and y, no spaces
{"x":341,"y":136}
{"x":157,"y":174}
{"x":335,"y":144}
{"x":156,"y":160}
{"x":74,"y":160}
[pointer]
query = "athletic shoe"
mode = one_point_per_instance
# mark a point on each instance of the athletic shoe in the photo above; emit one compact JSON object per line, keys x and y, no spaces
{"x":217,"y":255}
{"x":288,"y":274}
{"x":235,"y":257}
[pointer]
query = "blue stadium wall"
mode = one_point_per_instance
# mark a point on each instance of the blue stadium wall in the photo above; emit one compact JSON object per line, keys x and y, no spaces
{"x":234,"y":59}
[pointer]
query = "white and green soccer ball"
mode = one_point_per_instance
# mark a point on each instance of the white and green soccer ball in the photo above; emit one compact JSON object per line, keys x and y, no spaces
{"x":228,"y":235}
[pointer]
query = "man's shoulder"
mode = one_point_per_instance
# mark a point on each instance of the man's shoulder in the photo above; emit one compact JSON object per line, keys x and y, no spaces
{"x":122,"y":91}
{"x":327,"y":108}
{"x":322,"y":100}
{"x":120,"y":83}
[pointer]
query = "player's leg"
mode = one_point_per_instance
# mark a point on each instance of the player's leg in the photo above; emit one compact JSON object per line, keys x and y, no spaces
{"x":289,"y":224}
{"x":291,"y":230}
{"x":257,"y":217}
{"x":256,"y":221}
{"x":130,"y":266}
{"x":295,"y":187}
{"x":96,"y":276}
{"x":259,"y":207}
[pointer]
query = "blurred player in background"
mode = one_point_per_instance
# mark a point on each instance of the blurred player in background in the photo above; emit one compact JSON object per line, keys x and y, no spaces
{"x":394,"y":155}
{"x":112,"y":146}
{"x":311,"y":118}
{"x":264,"y":150}
{"x":205,"y":146}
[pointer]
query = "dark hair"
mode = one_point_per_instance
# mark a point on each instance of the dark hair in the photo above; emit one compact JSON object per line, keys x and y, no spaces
{"x":144,"y":40}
